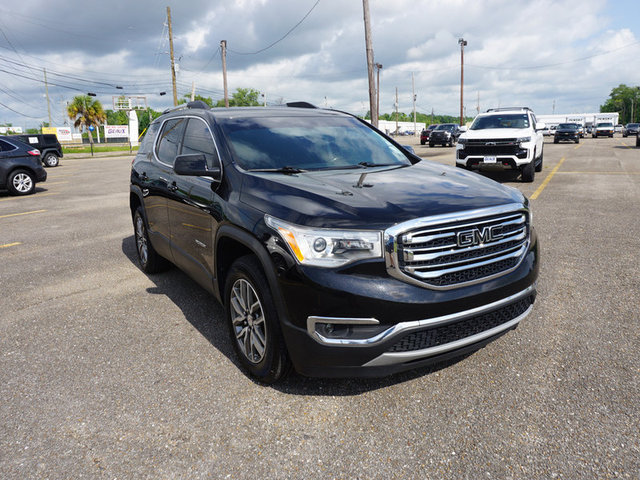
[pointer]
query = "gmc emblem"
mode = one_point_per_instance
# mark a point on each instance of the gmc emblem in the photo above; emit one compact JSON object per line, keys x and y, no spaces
{"x":478,"y":236}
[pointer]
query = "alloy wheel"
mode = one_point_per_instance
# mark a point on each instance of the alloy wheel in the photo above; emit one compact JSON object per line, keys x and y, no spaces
{"x":247,"y":317}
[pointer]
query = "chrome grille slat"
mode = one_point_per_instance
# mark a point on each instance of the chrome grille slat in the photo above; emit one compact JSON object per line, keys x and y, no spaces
{"x":439,"y":273}
{"x":411,"y":256}
{"x":447,"y":251}
{"x":411,"y":238}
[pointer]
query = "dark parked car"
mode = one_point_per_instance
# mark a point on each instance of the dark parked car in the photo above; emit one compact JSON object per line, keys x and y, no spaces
{"x":50,"y":148}
{"x":331,"y":247}
{"x":630,"y":129}
{"x":445,"y":134}
{"x":424,"y":135}
{"x":567,"y":132}
{"x":20,"y":167}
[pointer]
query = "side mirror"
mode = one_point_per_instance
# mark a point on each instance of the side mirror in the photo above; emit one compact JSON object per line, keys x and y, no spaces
{"x":195,"y":165}
{"x":409,"y":148}
{"x":463,"y":128}
{"x":540,"y":126}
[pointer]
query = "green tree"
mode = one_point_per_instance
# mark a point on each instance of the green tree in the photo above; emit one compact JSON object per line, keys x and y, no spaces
{"x":145,"y":117}
{"x":187,"y":98}
{"x":117,"y":117}
{"x":242,"y":97}
{"x":86,"y":112}
{"x":624,"y":100}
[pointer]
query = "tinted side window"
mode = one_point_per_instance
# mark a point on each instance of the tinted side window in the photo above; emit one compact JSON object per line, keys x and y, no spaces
{"x":169,"y":140}
{"x":198,"y":139}
{"x":147,"y":142}
{"x":6,"y":146}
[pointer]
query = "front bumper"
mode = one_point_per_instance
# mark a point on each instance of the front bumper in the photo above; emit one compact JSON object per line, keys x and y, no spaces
{"x":569,"y":137}
{"x":357,"y":323}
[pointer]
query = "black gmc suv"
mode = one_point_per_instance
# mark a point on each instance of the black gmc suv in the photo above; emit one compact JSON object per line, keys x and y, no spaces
{"x":332,"y":248}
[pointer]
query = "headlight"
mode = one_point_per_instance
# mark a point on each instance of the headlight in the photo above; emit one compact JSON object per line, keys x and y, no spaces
{"x":523,"y":140}
{"x":462,"y":141}
{"x":327,"y":248}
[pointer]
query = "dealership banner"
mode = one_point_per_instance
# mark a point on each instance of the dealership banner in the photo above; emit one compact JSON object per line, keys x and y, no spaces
{"x":116,"y":131}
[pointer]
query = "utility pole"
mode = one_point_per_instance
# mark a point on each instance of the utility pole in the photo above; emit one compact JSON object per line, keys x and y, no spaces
{"x":378,"y":68}
{"x":396,"y":110}
{"x":223,"y":46}
{"x":553,"y":109}
{"x":478,"y":104}
{"x":193,"y":91}
{"x":173,"y":64}
{"x":463,"y":43}
{"x":373,"y":108}
{"x":413,"y":89}
{"x":46,"y":89}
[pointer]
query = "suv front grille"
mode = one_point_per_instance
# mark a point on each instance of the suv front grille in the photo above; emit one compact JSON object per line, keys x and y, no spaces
{"x":468,"y":327}
{"x":501,"y":146}
{"x":457,"y":251}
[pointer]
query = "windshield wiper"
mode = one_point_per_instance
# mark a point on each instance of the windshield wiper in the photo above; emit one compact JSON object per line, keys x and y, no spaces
{"x":286,"y":169}
{"x":369,"y":164}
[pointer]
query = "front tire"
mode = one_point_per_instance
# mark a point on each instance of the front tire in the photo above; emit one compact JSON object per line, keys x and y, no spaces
{"x":149,"y":260}
{"x":51,"y":160}
{"x":21,"y":182}
{"x":253,"y":322}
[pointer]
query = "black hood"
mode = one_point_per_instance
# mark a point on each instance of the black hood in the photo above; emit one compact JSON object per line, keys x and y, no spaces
{"x":372,"y":198}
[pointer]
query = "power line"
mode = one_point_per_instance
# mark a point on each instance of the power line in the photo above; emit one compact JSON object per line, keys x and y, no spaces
{"x":534,"y":67}
{"x":283,"y":37}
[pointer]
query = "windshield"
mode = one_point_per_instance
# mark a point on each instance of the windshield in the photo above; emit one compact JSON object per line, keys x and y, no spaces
{"x":570,"y":126}
{"x":605,"y":125}
{"x":308,"y":143}
{"x":432,"y":127}
{"x":445,"y":126}
{"x":514,"y":120}
{"x":633,"y":125}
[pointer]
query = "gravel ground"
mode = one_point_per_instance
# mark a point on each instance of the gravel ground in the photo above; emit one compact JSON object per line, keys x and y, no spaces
{"x":106,"y":372}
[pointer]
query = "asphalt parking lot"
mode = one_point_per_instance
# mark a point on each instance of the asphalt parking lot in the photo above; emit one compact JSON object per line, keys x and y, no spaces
{"x":106,"y":372}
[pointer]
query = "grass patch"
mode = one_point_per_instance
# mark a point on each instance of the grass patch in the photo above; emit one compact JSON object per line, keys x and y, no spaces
{"x":98,"y":148}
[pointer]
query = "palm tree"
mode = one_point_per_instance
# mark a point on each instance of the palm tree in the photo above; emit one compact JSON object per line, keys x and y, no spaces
{"x":86,"y":112}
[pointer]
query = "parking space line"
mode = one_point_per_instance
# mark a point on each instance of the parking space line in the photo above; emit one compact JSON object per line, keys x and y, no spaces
{"x":7,"y":245}
{"x":23,"y":213}
{"x":29,"y":196}
{"x":537,"y":193}
{"x":578,"y":146}
{"x":577,"y":172}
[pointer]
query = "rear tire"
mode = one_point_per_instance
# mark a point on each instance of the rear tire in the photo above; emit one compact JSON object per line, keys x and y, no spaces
{"x":539,"y":165}
{"x":149,"y":260}
{"x":431,"y":144}
{"x":51,"y":160}
{"x":577,"y":140}
{"x":253,"y":322}
{"x":21,"y":182}
{"x":528,"y":172}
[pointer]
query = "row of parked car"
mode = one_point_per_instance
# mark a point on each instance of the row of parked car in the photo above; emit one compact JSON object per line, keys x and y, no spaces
{"x":23,"y":158}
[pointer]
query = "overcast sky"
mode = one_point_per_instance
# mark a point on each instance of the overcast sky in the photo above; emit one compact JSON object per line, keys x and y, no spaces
{"x":538,"y":53}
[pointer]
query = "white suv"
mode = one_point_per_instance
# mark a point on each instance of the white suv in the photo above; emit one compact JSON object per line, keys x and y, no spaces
{"x":503,"y":138}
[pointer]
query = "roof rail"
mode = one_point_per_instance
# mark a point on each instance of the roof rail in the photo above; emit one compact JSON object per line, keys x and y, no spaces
{"x":194,"y":104}
{"x":301,"y":105}
{"x":504,"y":109}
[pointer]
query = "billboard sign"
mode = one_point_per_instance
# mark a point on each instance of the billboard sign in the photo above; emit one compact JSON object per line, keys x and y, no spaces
{"x":116,"y":131}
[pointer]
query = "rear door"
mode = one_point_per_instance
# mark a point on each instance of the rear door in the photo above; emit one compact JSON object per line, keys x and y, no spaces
{"x":159,"y":181}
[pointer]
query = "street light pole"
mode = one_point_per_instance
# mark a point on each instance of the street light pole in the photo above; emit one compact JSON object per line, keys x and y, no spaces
{"x":463,"y":43}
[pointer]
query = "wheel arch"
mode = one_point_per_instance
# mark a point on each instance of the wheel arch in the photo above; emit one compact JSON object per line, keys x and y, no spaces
{"x":232,"y":243}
